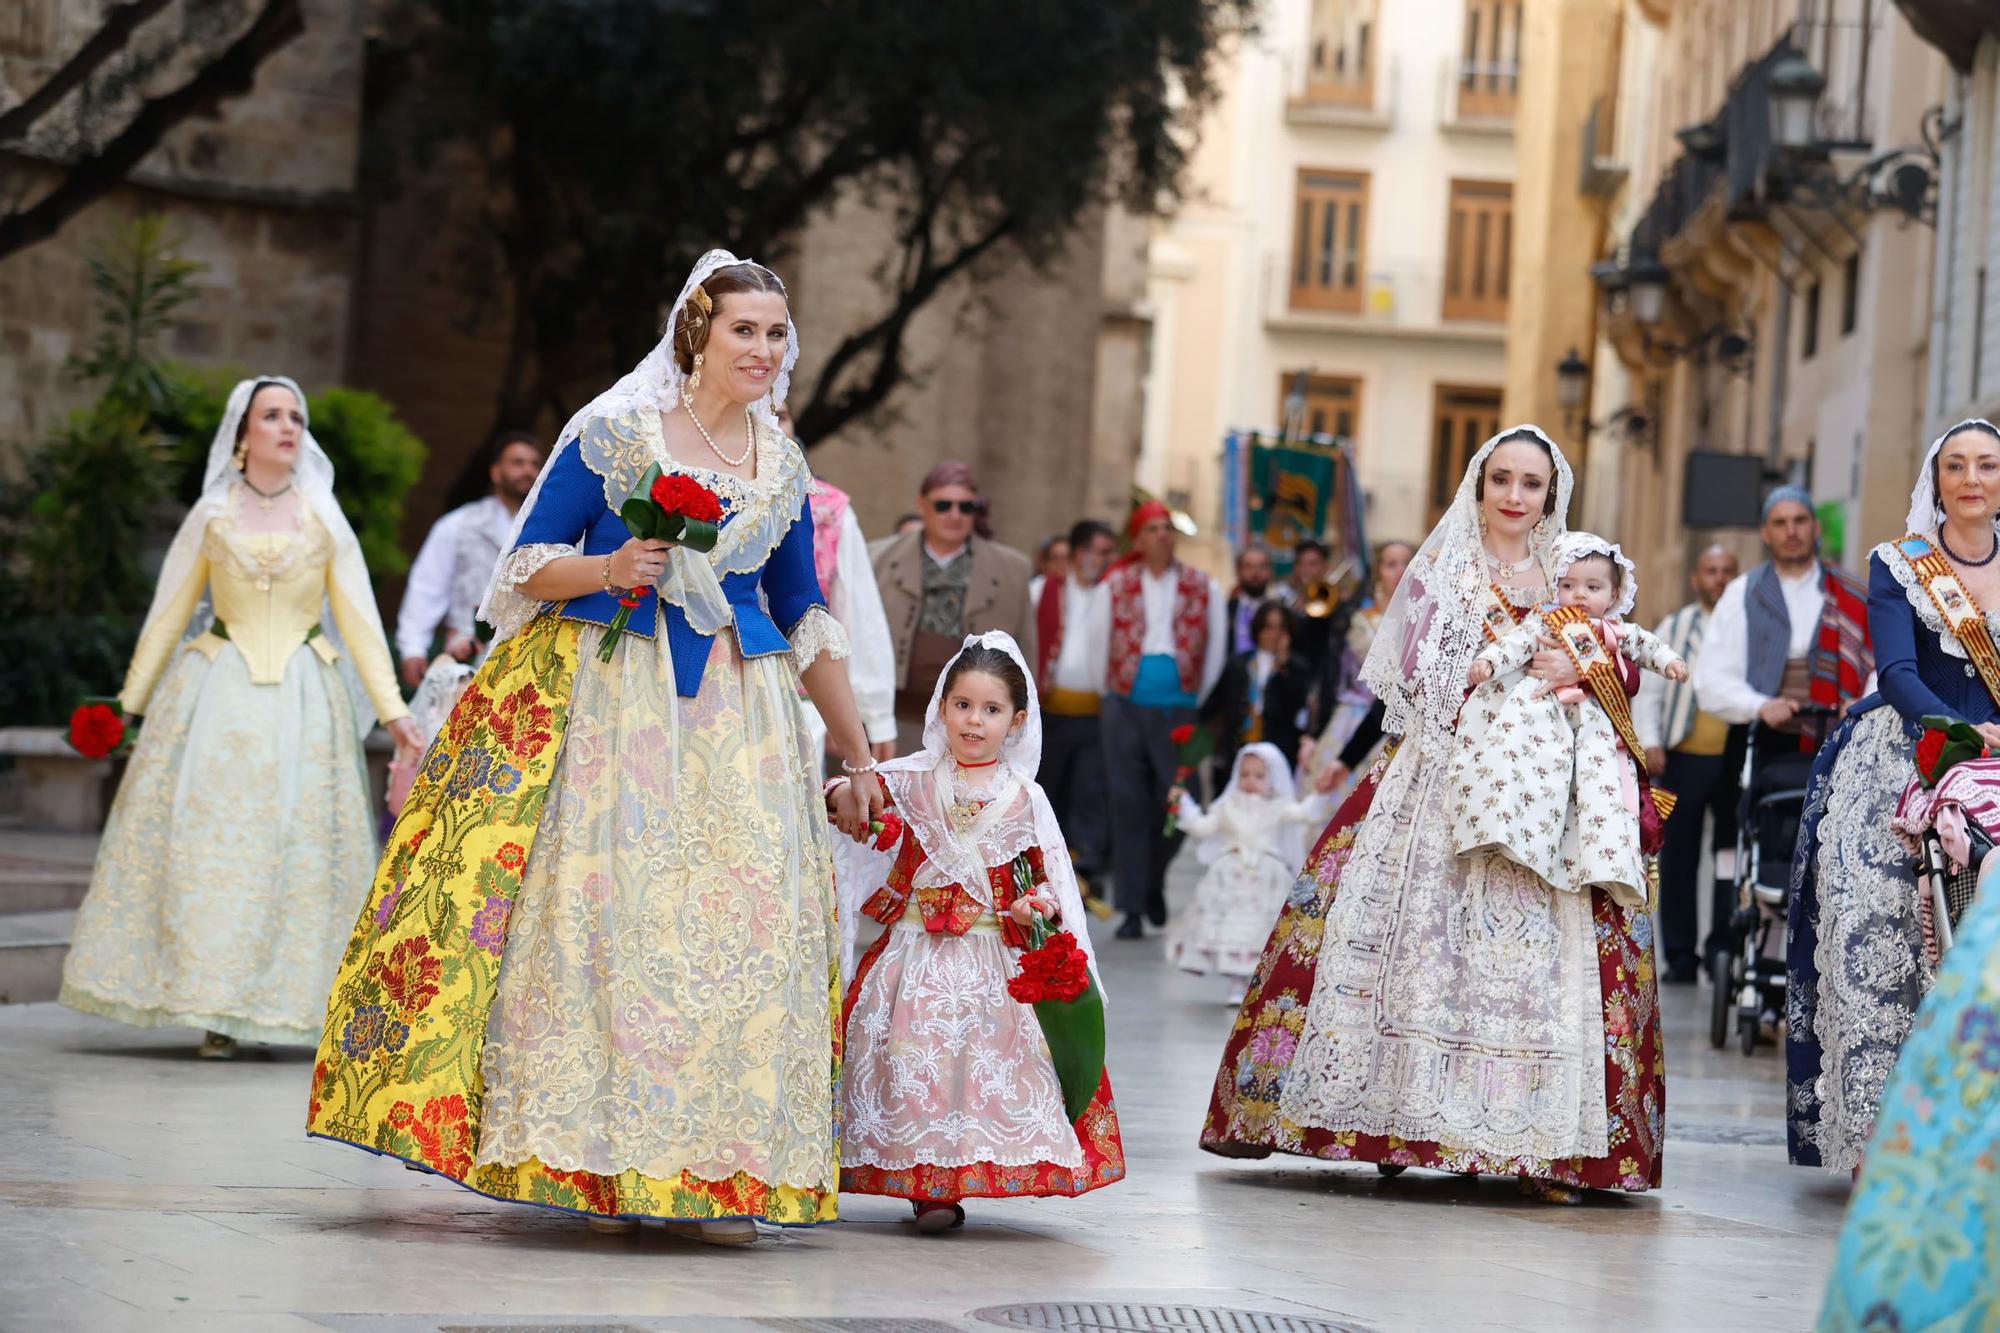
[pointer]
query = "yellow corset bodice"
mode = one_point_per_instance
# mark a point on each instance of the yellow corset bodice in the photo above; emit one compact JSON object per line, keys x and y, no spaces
{"x":268,"y":589}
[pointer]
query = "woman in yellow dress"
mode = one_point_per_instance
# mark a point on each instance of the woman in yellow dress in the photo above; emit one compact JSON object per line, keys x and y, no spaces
{"x":599,"y":969}
{"x":240,"y":842}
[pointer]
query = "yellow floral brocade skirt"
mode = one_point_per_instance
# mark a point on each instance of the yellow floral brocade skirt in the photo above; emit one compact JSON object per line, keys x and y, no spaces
{"x":597,"y":969}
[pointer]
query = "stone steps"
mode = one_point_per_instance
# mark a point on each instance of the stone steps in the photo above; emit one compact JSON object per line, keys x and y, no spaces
{"x":43,"y":877}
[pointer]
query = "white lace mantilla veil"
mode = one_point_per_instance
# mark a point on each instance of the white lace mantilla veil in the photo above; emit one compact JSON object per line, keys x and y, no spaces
{"x":312,"y":476}
{"x":1433,"y":626}
{"x":1574,"y":546}
{"x":1926,"y":510}
{"x":654,"y":383}
{"x":1290,"y":837}
{"x":1018,"y":817}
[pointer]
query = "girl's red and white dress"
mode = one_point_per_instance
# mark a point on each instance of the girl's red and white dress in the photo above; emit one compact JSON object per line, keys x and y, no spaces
{"x":949,"y":1091}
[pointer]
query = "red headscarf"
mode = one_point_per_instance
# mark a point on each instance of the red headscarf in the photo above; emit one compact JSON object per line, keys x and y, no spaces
{"x":1141,"y":516}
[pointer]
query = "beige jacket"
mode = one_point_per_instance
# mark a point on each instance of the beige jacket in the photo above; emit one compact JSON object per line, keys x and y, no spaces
{"x":996,"y":594}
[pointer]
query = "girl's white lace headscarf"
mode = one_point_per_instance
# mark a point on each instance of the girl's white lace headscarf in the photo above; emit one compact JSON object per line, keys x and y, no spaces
{"x":1574,"y":546}
{"x":1433,"y":626}
{"x":312,"y":477}
{"x":1016,"y":818}
{"x":1290,"y":839}
{"x":655,"y":384}
{"x":1926,"y":505}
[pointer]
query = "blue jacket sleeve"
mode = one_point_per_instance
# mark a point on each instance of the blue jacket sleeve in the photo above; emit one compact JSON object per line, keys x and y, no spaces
{"x":791,"y":582}
{"x":572,"y":499}
{"x":1893,"y":626}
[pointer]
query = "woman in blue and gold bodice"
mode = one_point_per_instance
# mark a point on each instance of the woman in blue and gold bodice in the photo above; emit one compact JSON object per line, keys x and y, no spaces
{"x":240,"y":841}
{"x":598,"y":970}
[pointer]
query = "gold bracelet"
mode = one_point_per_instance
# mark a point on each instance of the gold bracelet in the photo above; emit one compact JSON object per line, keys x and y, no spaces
{"x":607,"y":574}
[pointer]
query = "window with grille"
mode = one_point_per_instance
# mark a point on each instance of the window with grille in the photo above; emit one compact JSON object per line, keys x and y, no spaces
{"x":1340,"y":56}
{"x":1329,"y":252}
{"x":1463,"y":417}
{"x":1489,"y":73}
{"x":1333,"y":405}
{"x":1479,"y":245}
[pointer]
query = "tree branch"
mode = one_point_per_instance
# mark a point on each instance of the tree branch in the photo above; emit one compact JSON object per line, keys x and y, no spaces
{"x":228,"y":75}
{"x":832,"y":407}
{"x":107,"y":41}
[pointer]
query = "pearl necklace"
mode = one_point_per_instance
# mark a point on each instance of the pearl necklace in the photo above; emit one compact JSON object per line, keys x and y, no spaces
{"x":749,"y":434}
{"x":1503,"y":569}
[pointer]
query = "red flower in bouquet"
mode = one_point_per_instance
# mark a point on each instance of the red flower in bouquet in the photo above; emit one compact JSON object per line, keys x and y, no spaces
{"x":1182,"y":734}
{"x":1057,"y":970}
{"x":886,"y":831}
{"x":1930,"y":749}
{"x":96,"y":730}
{"x":1192,"y":744}
{"x":677,"y":494}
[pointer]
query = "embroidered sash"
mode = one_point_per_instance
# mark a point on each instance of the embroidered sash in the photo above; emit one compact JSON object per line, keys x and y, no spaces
{"x":1497,"y":614}
{"x":1963,"y":616}
{"x":1571,"y":628}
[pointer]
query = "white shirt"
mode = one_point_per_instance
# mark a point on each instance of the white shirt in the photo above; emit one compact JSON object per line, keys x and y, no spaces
{"x":856,"y":602}
{"x":1086,"y":638}
{"x":434,"y":579}
{"x":942,"y":561}
{"x":1157,"y":593}
{"x":1035,"y":586}
{"x":1721,"y":686}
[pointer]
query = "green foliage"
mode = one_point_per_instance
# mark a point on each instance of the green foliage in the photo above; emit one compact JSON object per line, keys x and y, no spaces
{"x":375,"y":462}
{"x":140,"y":280}
{"x":54,"y":661}
{"x":977,"y":129}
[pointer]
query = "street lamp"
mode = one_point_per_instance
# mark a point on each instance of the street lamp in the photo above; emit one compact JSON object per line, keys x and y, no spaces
{"x":1572,"y":382}
{"x":1646,"y":284}
{"x":1795,"y":90}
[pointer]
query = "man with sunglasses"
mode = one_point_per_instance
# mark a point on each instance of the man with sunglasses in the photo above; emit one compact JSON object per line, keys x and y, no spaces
{"x":943,"y":582}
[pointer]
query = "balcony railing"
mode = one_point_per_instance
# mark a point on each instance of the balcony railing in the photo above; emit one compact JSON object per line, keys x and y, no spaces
{"x":1329,"y":96}
{"x":1485,"y":91}
{"x":1403,"y":301}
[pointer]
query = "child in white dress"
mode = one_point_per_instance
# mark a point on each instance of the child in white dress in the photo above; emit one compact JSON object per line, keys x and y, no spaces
{"x":1547,"y":778}
{"x":949,"y":1090}
{"x":1253,"y":843}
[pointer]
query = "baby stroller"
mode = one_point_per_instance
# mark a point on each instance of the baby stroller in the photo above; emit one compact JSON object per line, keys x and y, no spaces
{"x":1750,"y":972}
{"x":1947,"y":828}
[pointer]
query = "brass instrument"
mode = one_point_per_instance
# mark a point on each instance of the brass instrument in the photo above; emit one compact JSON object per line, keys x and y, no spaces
{"x":1318,"y":599}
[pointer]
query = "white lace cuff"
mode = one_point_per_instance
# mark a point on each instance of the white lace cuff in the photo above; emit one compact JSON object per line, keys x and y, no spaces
{"x":817,"y":632}
{"x":507,"y":610}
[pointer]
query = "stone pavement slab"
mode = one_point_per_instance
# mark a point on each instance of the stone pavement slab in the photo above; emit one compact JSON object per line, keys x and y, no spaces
{"x":143,"y":1189}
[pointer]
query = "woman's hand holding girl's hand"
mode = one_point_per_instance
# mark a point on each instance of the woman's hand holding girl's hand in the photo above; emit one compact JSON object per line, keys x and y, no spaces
{"x":857,"y":804}
{"x":639,"y":563}
{"x":840,"y":805}
{"x":409,"y":741}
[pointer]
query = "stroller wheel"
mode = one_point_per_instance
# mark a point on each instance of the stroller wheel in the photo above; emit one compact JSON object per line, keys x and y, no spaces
{"x":1721,"y":1001}
{"x":1746,"y":1029}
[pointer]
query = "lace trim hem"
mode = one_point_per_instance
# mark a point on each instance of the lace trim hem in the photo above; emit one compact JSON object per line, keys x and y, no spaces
{"x":817,"y":634}
{"x":512,"y":610}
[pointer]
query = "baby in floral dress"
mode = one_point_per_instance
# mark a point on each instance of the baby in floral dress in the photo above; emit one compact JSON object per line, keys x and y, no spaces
{"x":1544,"y":777}
{"x":949,"y":1089}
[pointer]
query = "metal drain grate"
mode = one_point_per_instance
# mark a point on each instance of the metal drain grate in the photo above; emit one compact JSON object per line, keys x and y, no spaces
{"x":1110,"y":1317}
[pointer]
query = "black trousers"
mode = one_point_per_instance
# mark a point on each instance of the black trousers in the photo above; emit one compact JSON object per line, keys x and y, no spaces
{"x":1072,"y":775}
{"x":1707,"y":786}
{"x":1139,"y":768}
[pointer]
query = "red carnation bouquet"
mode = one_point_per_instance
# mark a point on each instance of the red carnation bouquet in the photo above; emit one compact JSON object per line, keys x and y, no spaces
{"x":669,"y":507}
{"x":97,"y":728}
{"x":1192,"y":744}
{"x":886,"y":832}
{"x":1055,"y":979}
{"x":1945,"y":744}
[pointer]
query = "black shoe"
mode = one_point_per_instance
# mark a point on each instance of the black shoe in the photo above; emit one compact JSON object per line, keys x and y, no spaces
{"x":1156,"y":907}
{"x":1683,"y":973}
{"x":1130,"y":929}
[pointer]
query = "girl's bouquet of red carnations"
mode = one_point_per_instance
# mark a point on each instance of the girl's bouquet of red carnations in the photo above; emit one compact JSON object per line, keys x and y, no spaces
{"x":669,"y":507}
{"x":97,"y":729}
{"x":1055,"y":978}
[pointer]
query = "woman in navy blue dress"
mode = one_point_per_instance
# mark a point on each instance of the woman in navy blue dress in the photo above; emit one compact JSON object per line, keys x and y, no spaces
{"x":1856,"y":957}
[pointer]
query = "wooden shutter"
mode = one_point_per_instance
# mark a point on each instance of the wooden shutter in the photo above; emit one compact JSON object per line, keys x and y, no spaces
{"x":1333,"y":404}
{"x":1479,"y":247}
{"x":1329,"y":253}
{"x":1489,"y":73}
{"x":1462,"y":418}
{"x":1340,"y":56}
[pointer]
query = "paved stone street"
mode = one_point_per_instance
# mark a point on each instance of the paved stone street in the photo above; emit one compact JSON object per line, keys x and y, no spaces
{"x":141,"y":1189}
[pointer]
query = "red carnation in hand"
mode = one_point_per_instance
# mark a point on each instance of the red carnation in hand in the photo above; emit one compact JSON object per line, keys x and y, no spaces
{"x":887,"y":831}
{"x":96,"y":730}
{"x":1056,"y":971}
{"x":1930,"y":749}
{"x":677,"y":494}
{"x":1182,"y":734}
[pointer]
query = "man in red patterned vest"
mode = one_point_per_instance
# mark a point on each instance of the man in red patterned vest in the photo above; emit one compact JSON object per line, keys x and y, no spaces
{"x":1168,"y":642}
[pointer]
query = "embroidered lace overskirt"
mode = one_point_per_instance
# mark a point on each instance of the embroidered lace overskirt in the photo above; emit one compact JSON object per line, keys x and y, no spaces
{"x":1856,"y":920}
{"x":663,"y":1004}
{"x":234,"y":858}
{"x":1235,"y":906}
